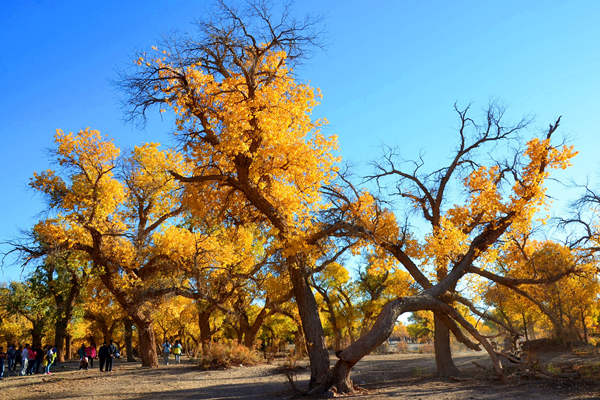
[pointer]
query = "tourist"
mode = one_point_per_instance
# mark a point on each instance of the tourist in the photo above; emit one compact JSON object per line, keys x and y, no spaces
{"x":166,"y":351}
{"x":90,"y":352}
{"x":18,"y":358}
{"x":177,"y":351}
{"x":103,"y":356}
{"x":39,"y":357}
{"x":11,"y":356}
{"x":30,"y":360}
{"x":24,"y":359}
{"x":113,"y":352}
{"x":2,"y":360}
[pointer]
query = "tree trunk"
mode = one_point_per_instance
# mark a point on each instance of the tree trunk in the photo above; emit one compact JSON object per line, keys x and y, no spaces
{"x":67,"y":347}
{"x":205,"y":332}
{"x":585,"y":331}
{"x":128,"y":339}
{"x":443,"y":354}
{"x":312,"y":328}
{"x":147,"y":343}
{"x":60,"y":333}
{"x":252,"y":330}
{"x":37,"y":333}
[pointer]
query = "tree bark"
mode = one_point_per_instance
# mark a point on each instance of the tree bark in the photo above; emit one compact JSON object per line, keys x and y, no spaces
{"x":67,"y":347}
{"x":312,"y":328}
{"x":251,"y":331}
{"x":128,"y":339}
{"x":37,"y":333}
{"x":443,"y":353}
{"x":205,"y":332}
{"x":147,"y":342}
{"x":60,"y":333}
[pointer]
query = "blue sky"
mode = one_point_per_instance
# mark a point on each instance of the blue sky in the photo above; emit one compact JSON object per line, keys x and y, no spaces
{"x":389,"y":74}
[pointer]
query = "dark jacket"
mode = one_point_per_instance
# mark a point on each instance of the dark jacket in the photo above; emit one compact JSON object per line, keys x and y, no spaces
{"x":103,"y":352}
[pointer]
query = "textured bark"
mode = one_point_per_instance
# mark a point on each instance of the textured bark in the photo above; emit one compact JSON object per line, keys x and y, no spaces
{"x":60,"y":334}
{"x":67,"y":347}
{"x":128,"y":337}
{"x":312,"y":328}
{"x":205,"y":332}
{"x":147,"y":343}
{"x":37,"y":333}
{"x":381,"y":330}
{"x":443,"y":354}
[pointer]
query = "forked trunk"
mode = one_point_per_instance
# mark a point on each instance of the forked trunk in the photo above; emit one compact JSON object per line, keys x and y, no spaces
{"x":147,"y":343}
{"x":443,"y":354}
{"x":312,"y":328}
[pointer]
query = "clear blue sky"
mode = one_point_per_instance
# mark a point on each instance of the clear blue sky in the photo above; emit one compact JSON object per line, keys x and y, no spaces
{"x":389,"y":74}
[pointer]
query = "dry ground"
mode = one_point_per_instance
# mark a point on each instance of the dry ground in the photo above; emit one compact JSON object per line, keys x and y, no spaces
{"x":397,"y":376}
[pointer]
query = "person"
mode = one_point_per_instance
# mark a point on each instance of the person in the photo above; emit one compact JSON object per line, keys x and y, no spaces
{"x":31,"y":354}
{"x":39,"y":357}
{"x":2,"y":360}
{"x":81,"y":351}
{"x":24,"y":359}
{"x":47,"y":359}
{"x":11,"y":356}
{"x":177,"y":351}
{"x":53,"y":359}
{"x":90,"y":352}
{"x":166,"y":351}
{"x":18,"y":358}
{"x":113,"y":352}
{"x":103,"y":356}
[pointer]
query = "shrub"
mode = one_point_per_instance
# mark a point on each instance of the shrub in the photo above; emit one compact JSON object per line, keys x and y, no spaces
{"x":225,"y":355}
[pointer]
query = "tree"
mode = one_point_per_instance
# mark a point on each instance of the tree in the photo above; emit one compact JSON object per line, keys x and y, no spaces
{"x":500,"y":198}
{"x":257,"y":156}
{"x":111,"y":211}
{"x":567,"y":299}
{"x":62,"y":276}
{"x":27,"y":299}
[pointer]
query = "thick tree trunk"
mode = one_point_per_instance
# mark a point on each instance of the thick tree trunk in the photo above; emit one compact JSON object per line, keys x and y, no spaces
{"x":312,"y":328}
{"x":67,"y":347}
{"x":380,"y":331}
{"x":37,"y":333}
{"x":443,"y":354}
{"x":205,"y":332}
{"x":60,"y":333}
{"x":147,"y":343}
{"x":127,"y":323}
{"x":252,"y":330}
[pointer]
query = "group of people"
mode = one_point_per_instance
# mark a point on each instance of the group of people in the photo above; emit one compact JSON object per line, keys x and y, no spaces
{"x":168,"y":348}
{"x":105,"y":354}
{"x":28,"y":358}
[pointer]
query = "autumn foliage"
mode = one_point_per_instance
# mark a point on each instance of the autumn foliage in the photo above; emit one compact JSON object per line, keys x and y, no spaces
{"x":250,"y":237}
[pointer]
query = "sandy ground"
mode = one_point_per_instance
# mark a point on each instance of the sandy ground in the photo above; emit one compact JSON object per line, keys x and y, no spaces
{"x":396,"y":376}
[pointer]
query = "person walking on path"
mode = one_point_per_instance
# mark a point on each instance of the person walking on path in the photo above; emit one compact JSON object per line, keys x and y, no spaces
{"x":166,"y":351}
{"x":30,"y":360}
{"x":47,"y":363}
{"x":103,"y":356}
{"x":90,"y":353}
{"x":18,"y":358}
{"x":39,"y":357}
{"x":2,"y":361}
{"x":24,"y":359}
{"x":177,"y":351}
{"x":113,"y":352}
{"x":11,"y":356}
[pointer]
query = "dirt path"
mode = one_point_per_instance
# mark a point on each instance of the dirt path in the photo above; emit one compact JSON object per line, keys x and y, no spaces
{"x":397,"y":376}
